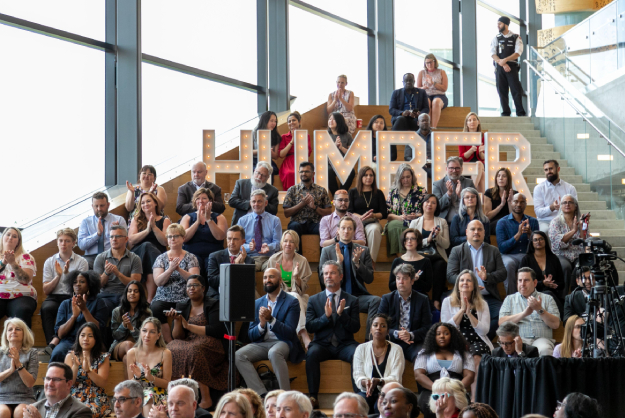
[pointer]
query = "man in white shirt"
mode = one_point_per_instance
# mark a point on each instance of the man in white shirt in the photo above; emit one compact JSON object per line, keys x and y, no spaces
{"x":547,"y":194}
{"x":94,"y":232}
{"x":505,"y":49}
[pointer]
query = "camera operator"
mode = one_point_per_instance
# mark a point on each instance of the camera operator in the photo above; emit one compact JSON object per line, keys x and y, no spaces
{"x":575,"y":303}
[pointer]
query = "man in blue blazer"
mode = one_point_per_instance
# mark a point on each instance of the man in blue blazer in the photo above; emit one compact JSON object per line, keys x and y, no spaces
{"x":333,"y":316}
{"x":409,"y":312}
{"x":273,"y":335}
{"x":407,"y":104}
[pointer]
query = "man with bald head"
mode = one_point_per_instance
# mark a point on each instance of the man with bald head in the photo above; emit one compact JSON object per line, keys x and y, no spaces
{"x":407,"y":104}
{"x":273,"y":335}
{"x":181,"y":402}
{"x":513,"y":232}
{"x":198,"y":181}
{"x":485,"y":261}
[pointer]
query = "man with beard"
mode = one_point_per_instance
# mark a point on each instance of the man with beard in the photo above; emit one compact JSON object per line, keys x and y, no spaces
{"x":407,"y":104}
{"x":505,"y":49}
{"x":547,"y":194}
{"x":306,"y":203}
{"x":241,"y":195}
{"x":94,"y":232}
{"x":184,"y":205}
{"x":448,"y":189}
{"x":329,"y":226}
{"x":424,"y":132}
{"x":273,"y":335}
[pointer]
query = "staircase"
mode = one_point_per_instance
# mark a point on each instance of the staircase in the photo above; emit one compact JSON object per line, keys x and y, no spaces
{"x":603,"y":221}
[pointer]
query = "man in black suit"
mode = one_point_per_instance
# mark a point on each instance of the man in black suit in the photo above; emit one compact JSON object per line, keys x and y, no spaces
{"x":409,"y":312}
{"x":511,"y":344}
{"x":198,"y":181}
{"x":241,"y":196}
{"x":234,"y":254}
{"x":449,"y":188}
{"x":333,"y":316}
{"x":407,"y":104}
{"x":485,"y":259}
{"x":128,"y":400}
{"x":357,"y":268}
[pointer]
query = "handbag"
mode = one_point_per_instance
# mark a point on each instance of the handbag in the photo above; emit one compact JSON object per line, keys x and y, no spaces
{"x":268,"y":377}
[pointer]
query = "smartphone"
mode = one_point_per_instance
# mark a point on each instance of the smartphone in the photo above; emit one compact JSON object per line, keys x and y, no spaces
{"x":165,"y":311}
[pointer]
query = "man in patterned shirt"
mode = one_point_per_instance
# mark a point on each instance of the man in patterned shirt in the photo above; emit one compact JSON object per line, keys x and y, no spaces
{"x":536,"y":313}
{"x":306,"y":203}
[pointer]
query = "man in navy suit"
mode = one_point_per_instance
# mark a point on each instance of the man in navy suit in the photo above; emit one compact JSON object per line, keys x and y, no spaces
{"x":333,"y":316}
{"x":409,"y":312}
{"x":273,"y":335}
{"x":407,"y":104}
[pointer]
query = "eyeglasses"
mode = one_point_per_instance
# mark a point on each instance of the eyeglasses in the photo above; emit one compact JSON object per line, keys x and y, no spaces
{"x":436,"y":396}
{"x":54,"y":379}
{"x":506,"y":344}
{"x":193,"y":285}
{"x":173,"y":236}
{"x":410,"y":239}
{"x":122,"y":399}
{"x":429,"y":62}
{"x":348,"y":415}
{"x":567,"y":202}
{"x":541,"y":239}
{"x":261,"y":175}
{"x":118,"y":236}
{"x":454,"y":168}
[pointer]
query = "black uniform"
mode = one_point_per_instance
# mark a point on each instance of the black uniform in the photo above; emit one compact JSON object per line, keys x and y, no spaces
{"x":505,"y":48}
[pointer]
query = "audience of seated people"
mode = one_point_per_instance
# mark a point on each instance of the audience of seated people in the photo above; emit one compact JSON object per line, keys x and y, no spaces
{"x":287,"y":150}
{"x":435,"y":242}
{"x":407,"y":104}
{"x":262,"y":230}
{"x":94,"y":231}
{"x":425,"y":132}
{"x":357,"y":268}
{"x":434,"y":81}
{"x":55,"y":272}
{"x":536,"y":313}
{"x":342,"y":101}
{"x":339,"y":132}
{"x":470,"y":209}
{"x":548,"y":194}
{"x":329,"y":225}
{"x":511,"y":344}
{"x":412,"y":241}
{"x":17,"y":269}
{"x":449,"y":188}
{"x":404,"y":205}
{"x":295,"y":273}
{"x":147,"y":184}
{"x":267,"y":121}
{"x":243,"y":188}
{"x":186,"y":201}
{"x":498,"y":199}
{"x":205,"y":229}
{"x":472,"y":153}
{"x":368,"y":202}
{"x":408,"y":311}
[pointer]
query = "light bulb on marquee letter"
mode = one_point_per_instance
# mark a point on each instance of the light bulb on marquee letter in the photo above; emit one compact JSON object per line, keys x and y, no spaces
{"x":359,"y":151}
{"x":439,"y":152}
{"x":387,"y":168}
{"x":522,"y":160}
{"x":227,"y":166}
{"x":263,"y":137}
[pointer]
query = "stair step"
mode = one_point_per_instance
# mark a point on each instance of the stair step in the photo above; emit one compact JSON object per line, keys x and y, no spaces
{"x":596,"y":224}
{"x":546,"y":155}
{"x":596,"y":205}
{"x":507,"y":127}
{"x":539,"y":163}
{"x":504,"y":119}
{"x":601,"y":215}
{"x":541,"y":148}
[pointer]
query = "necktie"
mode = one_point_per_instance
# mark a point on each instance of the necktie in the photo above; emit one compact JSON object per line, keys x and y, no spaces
{"x":101,"y":238}
{"x":232,"y":257}
{"x":334,"y":340}
{"x":258,"y":233}
{"x":347,"y":264}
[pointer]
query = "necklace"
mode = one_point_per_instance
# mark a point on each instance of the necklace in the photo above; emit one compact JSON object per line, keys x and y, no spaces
{"x":365,"y":197}
{"x":383,"y":351}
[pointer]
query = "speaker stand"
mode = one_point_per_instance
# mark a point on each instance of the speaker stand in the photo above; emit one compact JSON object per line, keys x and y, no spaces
{"x":232,"y":371}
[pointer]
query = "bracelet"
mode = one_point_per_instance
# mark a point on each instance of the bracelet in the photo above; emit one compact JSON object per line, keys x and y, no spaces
{"x":19,"y":368}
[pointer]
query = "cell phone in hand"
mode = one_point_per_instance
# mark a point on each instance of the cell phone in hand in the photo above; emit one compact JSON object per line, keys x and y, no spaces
{"x":165,"y":311}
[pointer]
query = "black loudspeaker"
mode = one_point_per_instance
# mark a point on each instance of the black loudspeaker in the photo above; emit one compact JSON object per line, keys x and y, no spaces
{"x":237,"y":292}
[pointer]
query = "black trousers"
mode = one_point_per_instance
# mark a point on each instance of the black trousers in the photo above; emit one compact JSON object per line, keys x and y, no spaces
{"x":23,"y":308}
{"x":406,"y":123}
{"x":318,"y":353}
{"x":509,"y":81}
{"x":333,"y":181}
{"x":49,"y":308}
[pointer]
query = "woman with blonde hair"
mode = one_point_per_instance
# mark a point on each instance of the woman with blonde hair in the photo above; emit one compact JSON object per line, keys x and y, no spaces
{"x":449,"y":396}
{"x":271,"y":402}
{"x":474,"y":153}
{"x":295,"y":272}
{"x":18,"y":297}
{"x":235,"y":405}
{"x":19,"y":365}
{"x":149,"y":363}
{"x":255,"y":401}
{"x":434,"y":81}
{"x":572,"y":342}
{"x":342,"y":101}
{"x":498,"y":199}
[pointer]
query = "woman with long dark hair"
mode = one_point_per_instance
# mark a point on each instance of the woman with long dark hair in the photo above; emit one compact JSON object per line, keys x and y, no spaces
{"x":498,"y":199}
{"x":378,"y":124}
{"x":267,"y":121}
{"x":90,"y":363}
{"x":287,"y":151}
{"x":337,"y":128}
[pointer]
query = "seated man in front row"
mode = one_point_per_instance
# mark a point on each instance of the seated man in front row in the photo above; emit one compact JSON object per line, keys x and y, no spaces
{"x":357,"y":268}
{"x":485,"y":259}
{"x":536,"y":313}
{"x":234,"y":254}
{"x":273,"y":335}
{"x":333,"y":316}
{"x":262,"y":230}
{"x":409,"y":312}
{"x":511,"y":345}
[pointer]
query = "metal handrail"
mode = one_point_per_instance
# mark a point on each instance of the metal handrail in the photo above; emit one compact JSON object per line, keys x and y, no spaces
{"x":579,"y":112}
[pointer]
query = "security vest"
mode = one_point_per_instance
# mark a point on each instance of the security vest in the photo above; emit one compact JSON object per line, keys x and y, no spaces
{"x":506,"y":47}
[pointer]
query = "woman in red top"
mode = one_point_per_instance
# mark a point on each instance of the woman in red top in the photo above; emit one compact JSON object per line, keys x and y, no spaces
{"x":287,"y":169}
{"x":473,"y":153}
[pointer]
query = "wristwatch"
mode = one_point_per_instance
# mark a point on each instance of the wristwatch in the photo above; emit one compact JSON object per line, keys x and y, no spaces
{"x":521,"y":354}
{"x":19,"y":368}
{"x":541,"y":311}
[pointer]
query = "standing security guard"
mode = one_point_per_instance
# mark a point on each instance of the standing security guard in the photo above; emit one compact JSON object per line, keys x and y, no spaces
{"x":505,"y":49}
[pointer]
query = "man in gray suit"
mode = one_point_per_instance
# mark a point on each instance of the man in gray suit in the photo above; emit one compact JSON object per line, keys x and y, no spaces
{"x":357,"y":267}
{"x":241,"y":196}
{"x":485,"y":260}
{"x":448,"y":189}
{"x":58,"y":403}
{"x":184,"y":205}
